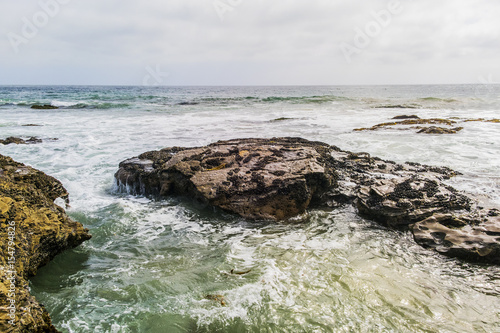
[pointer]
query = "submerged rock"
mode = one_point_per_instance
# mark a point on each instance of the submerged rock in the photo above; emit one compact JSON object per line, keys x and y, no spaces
{"x":44,"y":107}
{"x":281,"y":177}
{"x":20,"y":141}
{"x":406,"y":117}
{"x":34,"y":230}
{"x":440,"y":130}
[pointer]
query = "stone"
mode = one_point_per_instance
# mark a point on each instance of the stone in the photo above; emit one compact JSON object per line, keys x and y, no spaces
{"x":255,"y":178}
{"x":39,"y":231}
{"x":455,"y":237}
{"x":44,"y":107}
{"x":440,"y":130}
{"x":20,"y":141}
{"x":406,"y":117}
{"x":280,"y":178}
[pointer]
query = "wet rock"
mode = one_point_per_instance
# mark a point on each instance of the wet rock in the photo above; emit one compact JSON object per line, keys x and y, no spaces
{"x":455,"y":236}
{"x":398,"y":106}
{"x":406,"y":117}
{"x":44,"y":107}
{"x":20,"y":141}
{"x":431,"y":121}
{"x":440,"y":130}
{"x":188,"y":103}
{"x":404,"y":200}
{"x":279,"y":178}
{"x":255,"y":178}
{"x":39,"y":230}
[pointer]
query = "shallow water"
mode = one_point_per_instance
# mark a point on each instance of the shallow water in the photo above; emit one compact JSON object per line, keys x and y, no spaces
{"x":150,"y":263}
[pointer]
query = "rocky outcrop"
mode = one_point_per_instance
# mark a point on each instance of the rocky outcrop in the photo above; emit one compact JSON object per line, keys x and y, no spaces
{"x":440,"y":130}
{"x":281,"y":177}
{"x":407,"y":121}
{"x":255,"y":178}
{"x":20,"y":141}
{"x":44,"y":107}
{"x":33,"y":231}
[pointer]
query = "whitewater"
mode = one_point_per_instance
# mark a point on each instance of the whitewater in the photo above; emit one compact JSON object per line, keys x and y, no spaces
{"x":151,"y":262}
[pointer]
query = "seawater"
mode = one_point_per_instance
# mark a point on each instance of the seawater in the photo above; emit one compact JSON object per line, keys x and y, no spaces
{"x":151,"y":263}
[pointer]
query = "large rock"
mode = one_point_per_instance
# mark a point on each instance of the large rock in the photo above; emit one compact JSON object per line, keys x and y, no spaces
{"x":281,"y":177}
{"x":256,"y":178}
{"x":34,"y":230}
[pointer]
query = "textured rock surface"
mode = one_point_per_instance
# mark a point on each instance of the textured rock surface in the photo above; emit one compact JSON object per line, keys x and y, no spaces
{"x":40,"y":230}
{"x":281,"y":177}
{"x":256,"y":178}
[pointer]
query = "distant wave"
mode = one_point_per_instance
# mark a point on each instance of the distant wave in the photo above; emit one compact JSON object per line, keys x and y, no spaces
{"x":270,"y":99}
{"x":436,"y":99}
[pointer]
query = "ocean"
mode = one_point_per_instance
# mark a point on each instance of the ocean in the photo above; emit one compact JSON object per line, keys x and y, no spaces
{"x":151,"y":263}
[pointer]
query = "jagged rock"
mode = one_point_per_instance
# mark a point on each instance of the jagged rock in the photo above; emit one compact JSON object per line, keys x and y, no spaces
{"x":39,"y":230}
{"x":44,"y":107}
{"x":20,"y":141}
{"x":281,"y":177}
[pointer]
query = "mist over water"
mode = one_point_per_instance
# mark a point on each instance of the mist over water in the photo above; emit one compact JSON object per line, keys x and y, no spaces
{"x":151,"y":263}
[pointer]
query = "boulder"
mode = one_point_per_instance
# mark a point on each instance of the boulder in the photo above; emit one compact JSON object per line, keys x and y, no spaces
{"x":34,"y":230}
{"x":280,"y":178}
{"x":255,"y":178}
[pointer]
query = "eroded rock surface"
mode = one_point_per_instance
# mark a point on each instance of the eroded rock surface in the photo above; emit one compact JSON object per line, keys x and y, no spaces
{"x":281,"y":177}
{"x":255,"y":178}
{"x":33,"y":231}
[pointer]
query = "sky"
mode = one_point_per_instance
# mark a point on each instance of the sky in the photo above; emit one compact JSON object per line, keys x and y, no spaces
{"x":249,"y":42}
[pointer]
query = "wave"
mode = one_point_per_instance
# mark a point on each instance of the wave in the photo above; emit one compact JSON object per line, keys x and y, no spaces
{"x":437,"y":99}
{"x":269,"y":99}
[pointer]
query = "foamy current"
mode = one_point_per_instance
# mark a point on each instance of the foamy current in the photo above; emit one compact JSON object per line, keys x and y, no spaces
{"x":150,"y":263}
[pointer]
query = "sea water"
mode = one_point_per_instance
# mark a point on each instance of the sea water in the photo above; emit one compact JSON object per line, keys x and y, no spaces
{"x":151,"y":263}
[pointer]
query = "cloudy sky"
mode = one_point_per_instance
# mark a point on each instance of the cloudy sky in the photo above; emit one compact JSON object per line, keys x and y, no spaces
{"x":249,"y":42}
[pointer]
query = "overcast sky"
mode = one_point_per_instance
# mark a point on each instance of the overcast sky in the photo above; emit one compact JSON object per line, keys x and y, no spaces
{"x":249,"y":42}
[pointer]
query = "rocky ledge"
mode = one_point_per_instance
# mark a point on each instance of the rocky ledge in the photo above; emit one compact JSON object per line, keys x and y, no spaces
{"x":33,"y":231}
{"x":281,"y":177}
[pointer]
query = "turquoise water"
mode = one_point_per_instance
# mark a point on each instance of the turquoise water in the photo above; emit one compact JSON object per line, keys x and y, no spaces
{"x":150,"y":263}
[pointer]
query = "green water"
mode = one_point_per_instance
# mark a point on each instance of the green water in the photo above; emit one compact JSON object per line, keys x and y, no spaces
{"x":151,"y":264}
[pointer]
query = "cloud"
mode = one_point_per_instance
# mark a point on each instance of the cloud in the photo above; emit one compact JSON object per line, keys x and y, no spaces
{"x":250,"y":42}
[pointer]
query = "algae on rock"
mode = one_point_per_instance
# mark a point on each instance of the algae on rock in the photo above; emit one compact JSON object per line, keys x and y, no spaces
{"x":39,"y":230}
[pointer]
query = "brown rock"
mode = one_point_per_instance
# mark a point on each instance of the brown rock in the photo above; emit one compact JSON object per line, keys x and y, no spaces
{"x":44,"y":107}
{"x":255,"y":178}
{"x":455,"y":237}
{"x":440,"y":130}
{"x":39,"y":230}
{"x":281,"y":177}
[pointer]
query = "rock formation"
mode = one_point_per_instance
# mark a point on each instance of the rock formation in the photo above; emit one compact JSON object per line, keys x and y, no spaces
{"x":33,"y":231}
{"x":281,"y":177}
{"x":20,"y":141}
{"x":44,"y":107}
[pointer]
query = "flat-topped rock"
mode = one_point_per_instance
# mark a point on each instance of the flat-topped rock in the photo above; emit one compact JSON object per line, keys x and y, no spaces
{"x":255,"y":178}
{"x":280,"y":178}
